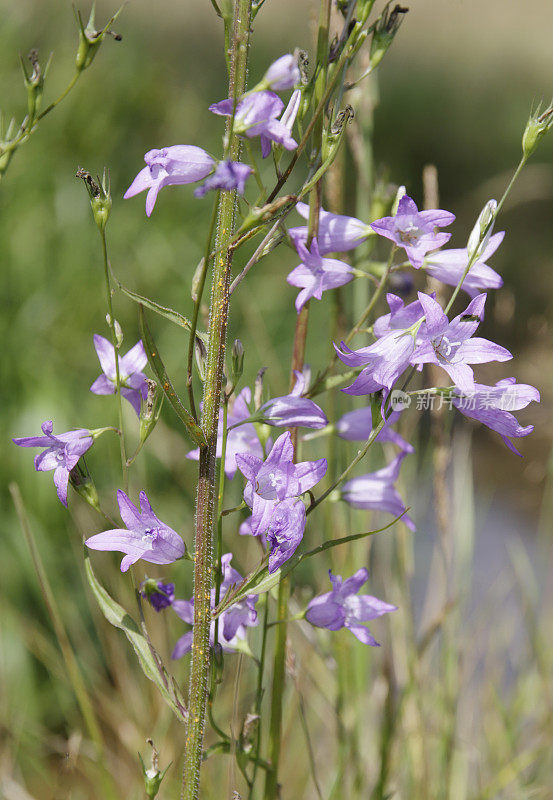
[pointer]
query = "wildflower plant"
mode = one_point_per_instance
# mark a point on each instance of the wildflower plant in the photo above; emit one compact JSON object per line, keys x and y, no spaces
{"x":232,"y":432}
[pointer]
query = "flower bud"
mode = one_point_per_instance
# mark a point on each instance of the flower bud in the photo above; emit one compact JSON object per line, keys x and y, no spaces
{"x":159,"y":595}
{"x":258,"y":388}
{"x":386,"y":27}
{"x":332,"y":137}
{"x":150,"y":411}
{"x":90,"y":39}
{"x":118,"y":331}
{"x":237,"y":361}
{"x":536,"y":128}
{"x":152,"y":777}
{"x":34,"y":83}
{"x":200,"y":352}
{"x":480,"y":234}
{"x":83,"y":484}
{"x":283,"y":73}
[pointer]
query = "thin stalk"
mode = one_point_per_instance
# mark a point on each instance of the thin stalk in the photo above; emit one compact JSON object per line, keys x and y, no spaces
{"x":196,"y":312}
{"x":124,"y":467}
{"x":205,"y":505}
{"x":259,"y":694}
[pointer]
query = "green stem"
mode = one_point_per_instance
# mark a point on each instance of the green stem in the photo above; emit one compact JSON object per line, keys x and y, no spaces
{"x":124,"y":467}
{"x":259,"y":693}
{"x":205,"y":505}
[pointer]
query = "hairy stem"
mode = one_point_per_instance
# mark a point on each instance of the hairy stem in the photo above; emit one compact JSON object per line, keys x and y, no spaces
{"x":205,"y":504}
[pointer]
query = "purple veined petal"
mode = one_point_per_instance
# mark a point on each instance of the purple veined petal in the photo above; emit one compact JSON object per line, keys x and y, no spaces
{"x":78,"y":445}
{"x":481,"y":351}
{"x":128,"y":511}
{"x":48,"y":459}
{"x":436,"y":320}
{"x":302,"y":299}
{"x":363,"y":634}
{"x":145,"y":506}
{"x":47,"y":427}
{"x":128,"y":560}
{"x":265,"y":146}
{"x":461,"y":375}
{"x":282,"y":450}
{"x":61,"y":479}
{"x":185,"y":610}
{"x":364,"y":607}
{"x":183,"y":646}
{"x":138,"y":381}
{"x":223,"y":108}
{"x":438,"y":217}
{"x":415,"y":255}
{"x":106,"y":356}
{"x":274,"y":129}
{"x":285,"y":531}
{"x":119,"y":539}
{"x":151,"y":197}
{"x":133,"y":361}
{"x":142,"y":182}
{"x":102,"y":386}
{"x":262,"y":511}
{"x":355,"y":358}
{"x":464,"y":325}
{"x":364,"y":384}
{"x":283,"y":73}
{"x":249,"y":465}
{"x":310,"y":473}
{"x":406,"y":206}
{"x":133,"y":396}
{"x":350,"y":585}
{"x":325,"y":612}
{"x":32,"y":441}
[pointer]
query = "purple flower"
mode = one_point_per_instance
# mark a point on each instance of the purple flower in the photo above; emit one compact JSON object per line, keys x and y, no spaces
{"x":451,"y":344}
{"x":146,"y":536}
{"x":232,"y":622}
{"x":344,"y":608}
{"x":159,"y":595}
{"x":316,"y":274}
{"x":492,"y":405}
{"x":256,"y":115}
{"x":276,"y":479}
{"x":449,"y":265}
{"x":228,"y":175}
{"x":61,"y":454}
{"x":376,"y":491}
{"x":383,"y":362}
{"x":133,"y":381}
{"x":401,"y":316}
{"x":336,"y":233}
{"x":285,"y":531}
{"x":170,"y":166}
{"x":293,"y":410}
{"x":356,"y":426}
{"x":415,"y":230}
{"x":283,"y":73}
{"x":243,"y":439}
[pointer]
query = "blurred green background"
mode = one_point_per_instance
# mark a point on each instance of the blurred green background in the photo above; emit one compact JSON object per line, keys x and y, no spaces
{"x":455,"y":91}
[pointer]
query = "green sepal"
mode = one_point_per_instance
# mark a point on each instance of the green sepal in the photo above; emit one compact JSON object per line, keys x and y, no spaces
{"x":155,"y":362}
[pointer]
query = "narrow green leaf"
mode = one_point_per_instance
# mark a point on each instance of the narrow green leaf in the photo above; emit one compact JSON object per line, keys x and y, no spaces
{"x":168,"y":313}
{"x":119,"y":618}
{"x":154,"y":359}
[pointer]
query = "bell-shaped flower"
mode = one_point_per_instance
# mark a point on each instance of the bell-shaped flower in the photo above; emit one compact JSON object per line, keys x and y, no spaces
{"x":159,"y":595}
{"x":401,"y":316}
{"x":170,"y":166}
{"x":452,"y":346}
{"x":285,"y":531}
{"x":242,"y":439}
{"x":356,"y":426}
{"x":293,"y":410}
{"x":448,"y":266}
{"x":492,"y":406}
{"x":283,"y":73}
{"x":316,"y":274}
{"x":232,"y":622}
{"x":414,"y":230}
{"x":337,"y":233}
{"x":61,"y":453}
{"x":145,"y":536}
{"x":256,"y":115}
{"x":134,"y":385}
{"x":343,"y":607}
{"x":276,"y":479}
{"x":376,"y":491}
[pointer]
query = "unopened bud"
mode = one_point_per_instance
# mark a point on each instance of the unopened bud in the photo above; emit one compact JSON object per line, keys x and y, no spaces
{"x":480,"y":234}
{"x":118,"y":331}
{"x":100,"y":196}
{"x":150,"y":410}
{"x":536,"y":128}
{"x":218,"y":661}
{"x":258,"y":388}
{"x":237,"y":361}
{"x":196,"y":280}
{"x":332,"y":137}
{"x":384,"y":32}
{"x":34,"y":83}
{"x":83,"y":484}
{"x":200,"y":352}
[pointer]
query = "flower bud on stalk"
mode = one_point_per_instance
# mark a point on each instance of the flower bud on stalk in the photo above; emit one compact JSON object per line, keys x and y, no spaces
{"x":384,"y":32}
{"x":100,"y":196}
{"x":150,"y":411}
{"x":34,"y":83}
{"x":237,"y":361}
{"x":536,"y":128}
{"x":200,"y":352}
{"x":152,"y":776}
{"x":83,"y":484}
{"x":482,"y":231}
{"x":332,"y":137}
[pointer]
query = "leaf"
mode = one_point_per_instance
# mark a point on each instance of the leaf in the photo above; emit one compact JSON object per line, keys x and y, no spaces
{"x":163,"y":311}
{"x":155,"y":362}
{"x":119,"y":618}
